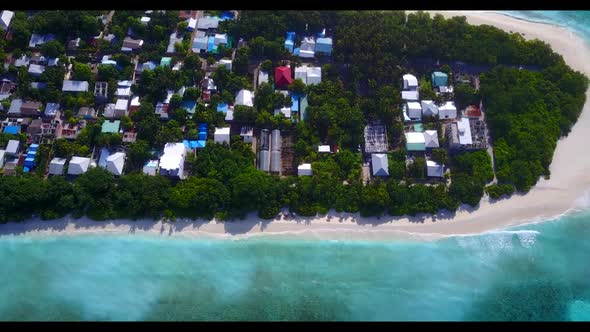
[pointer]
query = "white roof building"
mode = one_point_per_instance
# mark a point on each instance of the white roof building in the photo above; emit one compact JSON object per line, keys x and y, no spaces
{"x":434,"y":170}
{"x":304,"y":170}
{"x":229,"y":115}
{"x":380,"y":164}
{"x":123,"y":92}
{"x":309,"y":75}
{"x":192,"y":23}
{"x":226,"y":63}
{"x":429,"y":108}
{"x":431,"y":139}
{"x":414,"y":110}
{"x":172,"y":162}
{"x":220,"y":38}
{"x":135,"y":102}
{"x":306,"y":54}
{"x":324,"y":149}
{"x":262,"y":77}
{"x":75,"y":86}
{"x":56,"y":166}
{"x":245,"y":97}
{"x":121,"y":106}
{"x":78,"y":165}
{"x":447,"y":111}
{"x":410,"y":82}
{"x":115,"y":163}
{"x":410,"y":95}
{"x":12,"y":147}
{"x":36,"y":70}
{"x":145,"y":20}
{"x":285,"y":110}
{"x":2,"y":156}
{"x":5,"y":18}
{"x":208,"y":22}
{"x":151,"y":167}
{"x":464,"y":131}
{"x":415,"y":141}
{"x":307,"y":44}
{"x":221,"y":135}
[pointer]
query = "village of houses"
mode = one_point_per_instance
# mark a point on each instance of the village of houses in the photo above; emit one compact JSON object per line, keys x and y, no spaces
{"x":43,"y":123}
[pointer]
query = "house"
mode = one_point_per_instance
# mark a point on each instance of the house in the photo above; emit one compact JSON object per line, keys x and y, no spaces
{"x":15,"y":106}
{"x":165,"y":61}
{"x":31,"y":108}
{"x":162,"y":111}
{"x":51,"y":110}
{"x":458,"y":134}
{"x":429,"y":108}
{"x":52,"y":62}
{"x":145,"y":20}
{"x":262,"y":77}
{"x":192,"y":24}
{"x":324,"y":45}
{"x":447,"y":111}
{"x":190,"y":106}
{"x":413,"y":110}
{"x":5,"y":18}
{"x":23,"y":61}
{"x":307,"y":47}
{"x":225,"y":63}
{"x":101,"y":91}
{"x":282,"y":77}
{"x":247,"y":134}
{"x":304,"y":170}
{"x":130,"y":44}
{"x":415,"y":141}
{"x":50,"y":131}
{"x":245,"y":98}
{"x":324,"y":149}
{"x":7,"y":87}
{"x":174,"y":38}
{"x":115,"y":163}
{"x":71,"y":131}
{"x":74,"y":44}
{"x":121,"y":108}
{"x":123,"y":92}
{"x":36,"y":70}
{"x":56,"y":166}
{"x":106,"y":60}
{"x":434,"y":170}
{"x":13,"y":148}
{"x":289,"y":41}
{"x":275,"y":151}
{"x":221,"y":135}
{"x":87,"y":113}
{"x":439,"y":79}
{"x":75,"y":86}
{"x":129,"y":137}
{"x":410,"y":82}
{"x":208,"y":22}
{"x":309,"y":75}
{"x":78,"y":165}
{"x":34,"y":128}
{"x":2,"y":157}
{"x":172,"y":162}
{"x":220,"y":39}
{"x":111,"y":126}
{"x":200,"y":44}
{"x":286,"y":111}
{"x":37,"y":40}
{"x":410,"y":95}
{"x":380,"y":164}
{"x":431,"y":139}
{"x":38,"y":85}
{"x":151,"y":167}
{"x":134,"y":105}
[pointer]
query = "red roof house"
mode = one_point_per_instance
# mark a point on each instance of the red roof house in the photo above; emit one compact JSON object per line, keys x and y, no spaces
{"x":282,"y":77}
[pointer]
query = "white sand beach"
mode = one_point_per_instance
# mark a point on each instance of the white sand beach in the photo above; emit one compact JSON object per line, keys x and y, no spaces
{"x":570,"y":178}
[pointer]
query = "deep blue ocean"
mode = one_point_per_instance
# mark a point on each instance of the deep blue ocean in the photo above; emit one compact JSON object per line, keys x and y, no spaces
{"x":533,"y":272}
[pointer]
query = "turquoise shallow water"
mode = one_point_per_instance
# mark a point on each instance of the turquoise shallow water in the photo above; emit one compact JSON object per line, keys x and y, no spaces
{"x":534,"y":272}
{"x":576,"y":20}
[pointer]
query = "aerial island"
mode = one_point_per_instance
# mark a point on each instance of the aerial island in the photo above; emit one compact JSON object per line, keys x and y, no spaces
{"x":243,"y":116}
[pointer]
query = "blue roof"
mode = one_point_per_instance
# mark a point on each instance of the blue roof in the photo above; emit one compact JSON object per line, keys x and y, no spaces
{"x":51,"y":109}
{"x":186,"y":143}
{"x":34,"y":146}
{"x":296,"y":51}
{"x":11,"y":130}
{"x":202,"y":135}
{"x":193,"y":144}
{"x":227,"y":15}
{"x":26,"y":169}
{"x":201,"y":144}
{"x":202,"y":126}
{"x":295,"y":106}
{"x":290,"y":36}
{"x":211,"y":44}
{"x":189,"y":106}
{"x":222,"y":108}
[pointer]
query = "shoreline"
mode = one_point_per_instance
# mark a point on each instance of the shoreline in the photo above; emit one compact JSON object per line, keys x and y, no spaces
{"x":564,"y":193}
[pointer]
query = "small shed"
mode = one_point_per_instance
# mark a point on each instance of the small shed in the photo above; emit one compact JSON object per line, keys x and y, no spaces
{"x":439,"y":79}
{"x":434,"y":170}
{"x":414,"y":110}
{"x":151,"y":167}
{"x":304,"y":170}
{"x":56,"y":166}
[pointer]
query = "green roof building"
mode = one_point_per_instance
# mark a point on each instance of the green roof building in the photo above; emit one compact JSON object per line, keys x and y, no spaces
{"x":439,"y":79}
{"x":111,"y":126}
{"x":166,"y":61}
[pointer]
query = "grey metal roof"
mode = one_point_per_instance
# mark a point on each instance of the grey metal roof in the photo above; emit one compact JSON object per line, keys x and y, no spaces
{"x":380,"y":164}
{"x":75,"y":86}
